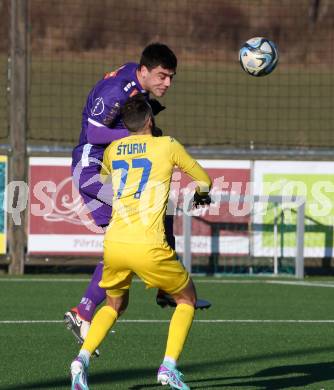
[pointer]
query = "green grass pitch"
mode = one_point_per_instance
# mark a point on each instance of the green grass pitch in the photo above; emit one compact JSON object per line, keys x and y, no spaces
{"x":259,"y":334}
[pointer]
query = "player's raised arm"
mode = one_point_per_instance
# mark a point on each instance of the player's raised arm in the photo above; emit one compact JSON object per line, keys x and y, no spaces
{"x":188,"y":165}
{"x":104,"y":117}
{"x":98,"y":134}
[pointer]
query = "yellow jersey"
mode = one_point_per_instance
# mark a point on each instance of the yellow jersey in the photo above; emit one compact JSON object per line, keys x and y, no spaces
{"x":141,"y":168}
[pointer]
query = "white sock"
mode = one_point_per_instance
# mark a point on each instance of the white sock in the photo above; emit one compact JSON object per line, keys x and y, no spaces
{"x":84,"y":355}
{"x":171,"y":362}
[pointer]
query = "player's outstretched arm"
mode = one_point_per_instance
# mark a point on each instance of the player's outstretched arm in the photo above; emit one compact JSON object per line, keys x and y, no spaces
{"x":190,"y":166}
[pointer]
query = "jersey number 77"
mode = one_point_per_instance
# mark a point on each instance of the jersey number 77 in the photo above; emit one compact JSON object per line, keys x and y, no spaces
{"x":143,"y":163}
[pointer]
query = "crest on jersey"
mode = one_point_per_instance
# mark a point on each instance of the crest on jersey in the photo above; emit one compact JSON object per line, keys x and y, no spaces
{"x":98,"y":107}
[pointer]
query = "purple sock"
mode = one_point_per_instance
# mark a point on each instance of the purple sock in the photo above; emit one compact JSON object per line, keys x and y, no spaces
{"x":93,"y":296}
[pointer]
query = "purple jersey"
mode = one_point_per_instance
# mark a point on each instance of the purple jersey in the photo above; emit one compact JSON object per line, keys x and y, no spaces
{"x":101,"y":123}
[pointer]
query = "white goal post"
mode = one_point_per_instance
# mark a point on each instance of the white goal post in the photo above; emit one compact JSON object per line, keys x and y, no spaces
{"x":254,"y":201}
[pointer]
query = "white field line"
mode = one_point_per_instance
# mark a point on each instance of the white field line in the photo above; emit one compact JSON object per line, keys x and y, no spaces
{"x":198,"y":281}
{"x":217,"y":321}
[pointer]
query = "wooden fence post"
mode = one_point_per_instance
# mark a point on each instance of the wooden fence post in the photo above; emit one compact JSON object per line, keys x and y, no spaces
{"x":18,"y":126}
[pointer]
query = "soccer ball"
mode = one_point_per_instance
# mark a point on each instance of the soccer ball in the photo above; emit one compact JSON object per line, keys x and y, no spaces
{"x":258,"y":56}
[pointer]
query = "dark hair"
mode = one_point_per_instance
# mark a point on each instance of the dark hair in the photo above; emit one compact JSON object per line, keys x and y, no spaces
{"x":136,"y":112}
{"x":157,"y":54}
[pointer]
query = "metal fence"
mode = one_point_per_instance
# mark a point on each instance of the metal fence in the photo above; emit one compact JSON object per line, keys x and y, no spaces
{"x":212,"y":102}
{"x":52,"y":52}
{"x":226,"y":254}
{"x":4,"y":49}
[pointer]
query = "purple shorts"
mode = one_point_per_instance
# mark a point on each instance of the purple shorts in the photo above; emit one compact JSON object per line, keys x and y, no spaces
{"x":96,"y":195}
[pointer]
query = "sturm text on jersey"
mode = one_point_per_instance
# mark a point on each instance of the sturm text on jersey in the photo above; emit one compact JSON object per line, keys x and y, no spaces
{"x":135,"y":148}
